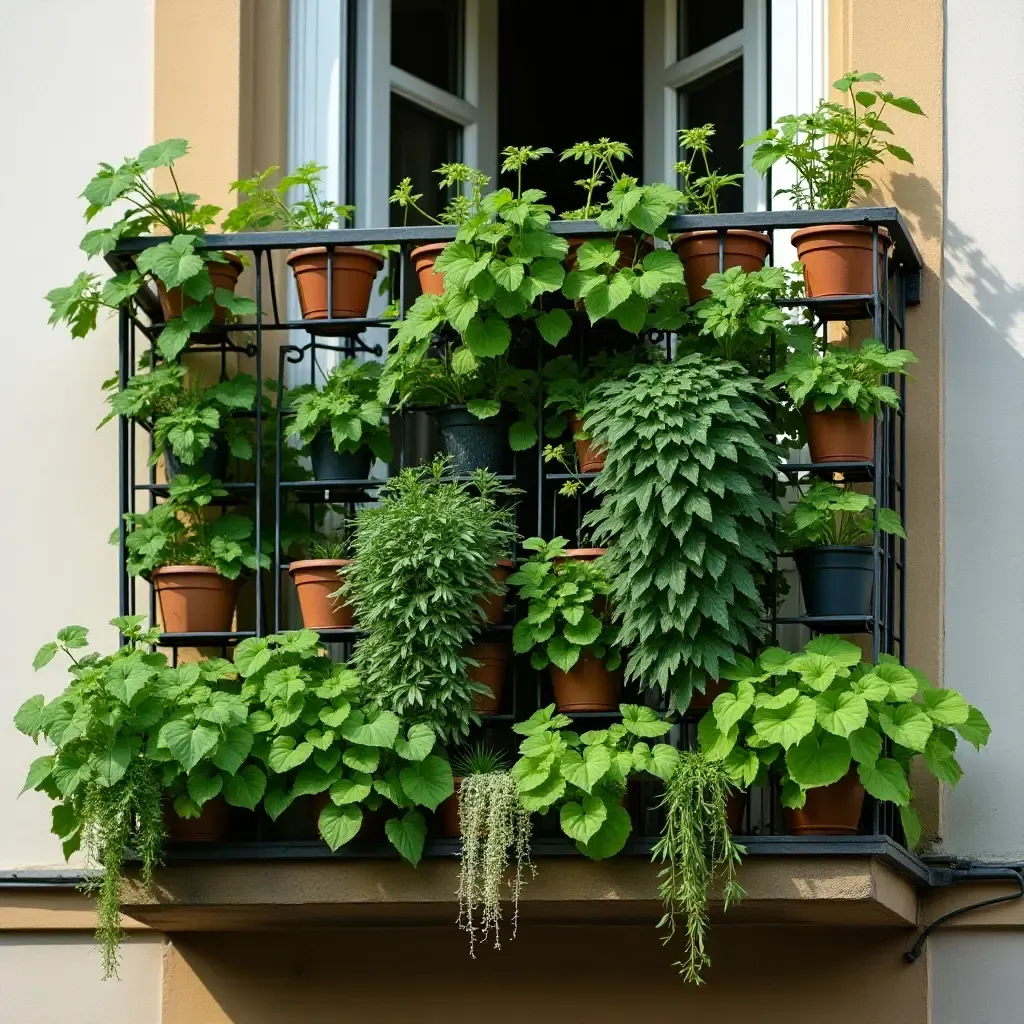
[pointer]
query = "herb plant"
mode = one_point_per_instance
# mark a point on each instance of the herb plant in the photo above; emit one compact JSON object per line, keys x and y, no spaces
{"x":423,"y":559}
{"x":812,"y":716}
{"x":687,"y":517}
{"x":566,"y":615}
{"x":599,"y":160}
{"x":832,"y":515}
{"x":833,"y":148}
{"x":840,"y":376}
{"x":266,"y":206}
{"x":700,"y":184}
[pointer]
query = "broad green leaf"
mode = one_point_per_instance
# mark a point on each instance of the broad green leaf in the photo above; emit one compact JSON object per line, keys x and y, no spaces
{"x":352,"y":790}
{"x":643,"y":721}
{"x":885,"y":780}
{"x":903,"y":684}
{"x":339,"y":824}
{"x":361,"y":759}
{"x":872,"y":688}
{"x":541,"y":721}
{"x":713,"y":742}
{"x":663,"y":762}
{"x":276,"y":801}
{"x":562,"y":653}
{"x":203,"y":787}
{"x":407,"y":835}
{"x":818,"y":760}
{"x":787,"y":725}
{"x":865,"y":745}
{"x":188,"y":744}
{"x":817,"y":671}
{"x":842,"y":651}
{"x":945,"y":707}
{"x":372,"y":729}
{"x":554,"y":325}
{"x":285,"y":754}
{"x":110,"y":764}
{"x":162,"y":154}
{"x":906,"y":725}
{"x":38,"y":772}
{"x":419,"y":743}
{"x":428,"y":782}
{"x":540,"y":798}
{"x":730,"y":707}
{"x":586,"y":771}
{"x":611,"y":837}
{"x":531,"y":772}
{"x":581,"y":821}
{"x":44,"y":655}
{"x":841,"y":713}
{"x":310,"y":781}
{"x":976,"y":729}
{"x":742,"y":766}
{"x":246,"y":788}
{"x":28,"y":718}
{"x":234,"y":749}
{"x":333,"y":717}
{"x":778,"y":700}
{"x":487,"y":338}
{"x":911,"y":826}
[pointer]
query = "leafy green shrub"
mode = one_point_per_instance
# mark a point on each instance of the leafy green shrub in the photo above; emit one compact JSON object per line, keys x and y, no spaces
{"x":566,"y":614}
{"x":599,"y":159}
{"x":700,"y":190}
{"x":828,"y":515}
{"x":423,"y":560}
{"x":686,"y":515}
{"x":266,"y":206}
{"x":813,"y":715}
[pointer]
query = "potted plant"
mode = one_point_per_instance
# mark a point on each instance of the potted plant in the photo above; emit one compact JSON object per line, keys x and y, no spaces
{"x":342,"y":423}
{"x":566,"y":626}
{"x":353,"y":270}
{"x":193,"y":427}
{"x":317,"y":579}
{"x":829,"y":531}
{"x":195,"y":285}
{"x":424,"y":557}
{"x":699,"y":250}
{"x":193,"y":562}
{"x":832,"y":727}
{"x":687,"y":515}
{"x":840,"y":392}
{"x":831,"y":150}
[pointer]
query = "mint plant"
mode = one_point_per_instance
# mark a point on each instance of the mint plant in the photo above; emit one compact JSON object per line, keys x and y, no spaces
{"x":830,"y":515}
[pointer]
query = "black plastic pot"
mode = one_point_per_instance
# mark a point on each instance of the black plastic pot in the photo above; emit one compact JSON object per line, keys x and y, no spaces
{"x":473,"y":443}
{"x":213,"y":461}
{"x":329,"y":464}
{"x":836,"y":581}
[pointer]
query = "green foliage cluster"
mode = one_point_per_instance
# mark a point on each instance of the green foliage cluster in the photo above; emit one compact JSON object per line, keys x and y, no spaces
{"x":686,"y":515}
{"x":266,"y":206}
{"x":567,"y":608}
{"x":828,"y":514}
{"x":812,"y":716}
{"x":585,"y":775}
{"x":423,"y":560}
{"x":599,"y":160}
{"x":700,"y":190}
{"x":832,"y":148}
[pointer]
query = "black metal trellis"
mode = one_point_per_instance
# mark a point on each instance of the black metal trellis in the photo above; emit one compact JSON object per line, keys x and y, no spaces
{"x":896,"y":285}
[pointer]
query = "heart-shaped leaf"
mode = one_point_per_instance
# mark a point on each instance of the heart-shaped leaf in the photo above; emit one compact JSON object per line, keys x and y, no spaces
{"x":907,"y":725}
{"x":787,"y":725}
{"x":246,"y":788}
{"x":586,"y":771}
{"x":407,"y":835}
{"x":581,"y":821}
{"x":818,"y":760}
{"x":611,"y":837}
{"x":419,"y":742}
{"x":840,"y":713}
{"x":339,"y":824}
{"x":428,"y":782}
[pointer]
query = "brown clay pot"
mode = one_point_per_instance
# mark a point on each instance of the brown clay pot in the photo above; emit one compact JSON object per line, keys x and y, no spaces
{"x":315,"y":580}
{"x":590,"y":456}
{"x":423,"y":258}
{"x":698,"y":251}
{"x":493,"y":658}
{"x":830,"y":810}
{"x":354,"y":274}
{"x":222,"y":275}
{"x":212,"y":826}
{"x":448,"y":813}
{"x":587,"y":686}
{"x":837,"y":260}
{"x":839,"y":435}
{"x":580,"y":554}
{"x":493,"y":605}
{"x":626,"y":244}
{"x":712,"y":688}
{"x":194,"y":599}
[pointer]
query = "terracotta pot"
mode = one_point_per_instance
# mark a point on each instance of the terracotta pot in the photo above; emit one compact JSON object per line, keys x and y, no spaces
{"x":212,"y":826}
{"x":315,"y":580}
{"x":626,"y":244}
{"x":698,"y":251}
{"x":354,"y":274}
{"x":423,"y":258}
{"x":830,"y":810}
{"x":222,"y":275}
{"x":194,"y":599}
{"x":493,"y":658}
{"x":712,"y":688}
{"x":590,"y":456}
{"x":580,"y":554}
{"x":493,"y":605}
{"x":588,"y":686}
{"x":837,"y":261}
{"x":448,"y":813}
{"x":839,"y":435}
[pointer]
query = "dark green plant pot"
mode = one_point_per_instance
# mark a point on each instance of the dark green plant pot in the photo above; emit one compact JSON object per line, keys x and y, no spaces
{"x":329,"y":464}
{"x":213,"y":461}
{"x":473,"y":443}
{"x":836,"y":581}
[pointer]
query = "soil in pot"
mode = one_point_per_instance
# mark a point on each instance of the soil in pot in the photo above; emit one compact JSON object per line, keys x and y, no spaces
{"x":222,"y":275}
{"x":698,"y":251}
{"x":213,"y":461}
{"x":423,"y":258}
{"x":194,"y":599}
{"x":493,"y":605}
{"x":315,"y":580}
{"x":837,"y":261}
{"x":330,"y":464}
{"x":839,"y":435}
{"x":836,"y":580}
{"x":829,"y":810}
{"x":354,"y":271}
{"x":589,"y":455}
{"x":493,"y":659}
{"x":473,"y":443}
{"x":626,"y":244}
{"x":587,"y":686}
{"x":212,"y":826}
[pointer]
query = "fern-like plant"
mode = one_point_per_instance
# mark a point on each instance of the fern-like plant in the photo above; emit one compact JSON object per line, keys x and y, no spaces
{"x":695,"y":846}
{"x":686,"y":515}
{"x":423,"y":560}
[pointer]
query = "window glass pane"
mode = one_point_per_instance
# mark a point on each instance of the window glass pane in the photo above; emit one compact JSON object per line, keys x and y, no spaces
{"x":420,"y":142}
{"x":718,"y":99}
{"x":702,"y":23}
{"x":427,"y":40}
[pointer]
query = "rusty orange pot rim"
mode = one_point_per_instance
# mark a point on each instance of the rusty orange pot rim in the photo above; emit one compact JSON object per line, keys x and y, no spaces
{"x":837,"y":229}
{"x":346,"y":250}
{"x":318,"y":563}
{"x":761,"y":236}
{"x":428,"y":248}
{"x":205,"y":570}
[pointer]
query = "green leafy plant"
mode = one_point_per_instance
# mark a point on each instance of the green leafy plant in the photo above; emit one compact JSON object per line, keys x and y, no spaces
{"x":840,"y":376}
{"x":700,"y":190}
{"x":686,"y":515}
{"x":334,"y":547}
{"x":347,"y":406}
{"x":830,"y":515}
{"x":480,"y":759}
{"x":832,"y":148}
{"x":423,"y":560}
{"x":267,"y":206}
{"x":179,"y":532}
{"x":814,"y":715}
{"x":696,"y":846}
{"x":585,"y":775}
{"x":599,"y":160}
{"x":567,"y":613}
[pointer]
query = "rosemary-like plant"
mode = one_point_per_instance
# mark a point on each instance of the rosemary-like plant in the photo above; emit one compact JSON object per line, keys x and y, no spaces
{"x":479,"y":759}
{"x":492,"y":824}
{"x":695,"y":846}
